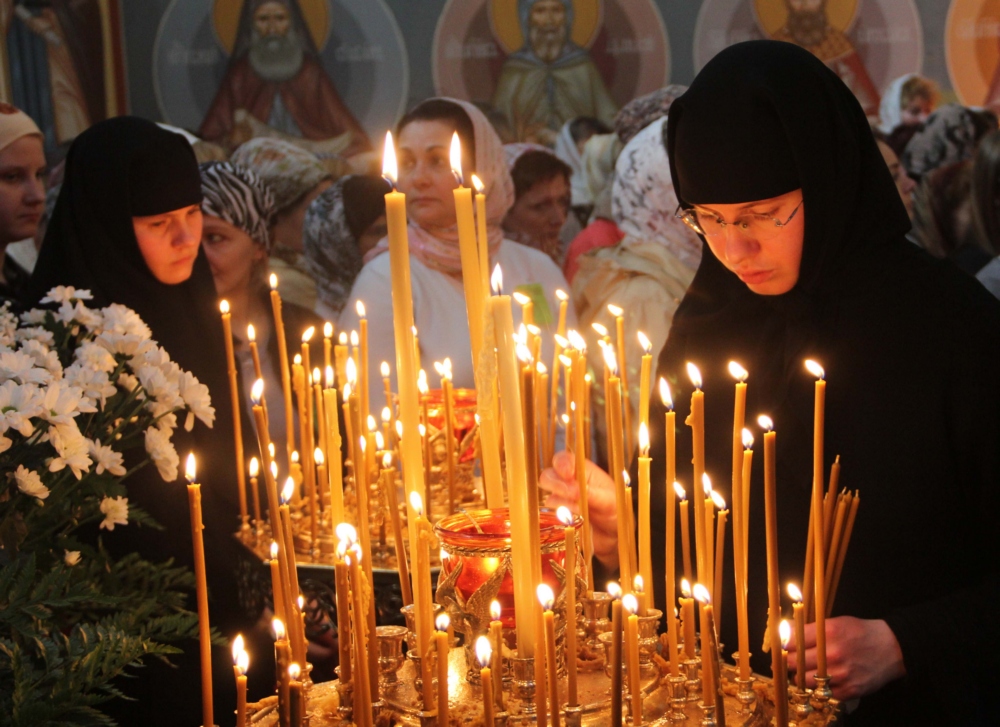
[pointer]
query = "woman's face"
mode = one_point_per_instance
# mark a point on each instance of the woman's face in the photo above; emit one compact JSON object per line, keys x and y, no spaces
{"x":231,"y":254}
{"x":425,"y":175}
{"x":541,"y":211}
{"x":288,"y":223}
{"x":915,"y":112}
{"x":370,"y":237}
{"x":767,"y":266}
{"x":22,"y":189}
{"x":169,"y":242}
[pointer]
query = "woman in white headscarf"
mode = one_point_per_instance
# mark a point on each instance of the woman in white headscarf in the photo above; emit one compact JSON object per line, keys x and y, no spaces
{"x":908,"y":101}
{"x":423,"y":141}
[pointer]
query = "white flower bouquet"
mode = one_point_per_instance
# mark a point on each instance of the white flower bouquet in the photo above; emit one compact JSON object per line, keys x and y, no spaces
{"x":79,"y":388}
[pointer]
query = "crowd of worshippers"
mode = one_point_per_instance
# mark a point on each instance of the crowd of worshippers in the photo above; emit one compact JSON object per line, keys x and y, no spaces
{"x":154,"y":218}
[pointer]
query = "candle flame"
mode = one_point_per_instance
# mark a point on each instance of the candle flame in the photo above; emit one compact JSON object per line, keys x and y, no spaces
{"x":273,"y":281}
{"x":738,"y":372}
{"x":694,"y":374}
{"x":318,"y":457}
{"x":354,"y":339}
{"x":588,"y":378}
{"x":287,"y":490}
{"x":565,"y":360}
{"x":279,"y":628}
{"x":417,"y":503}
{"x":665,"y":396}
{"x":541,"y":368}
{"x":565,"y":420}
{"x":270,"y":449}
{"x":630,"y":604}
{"x":561,"y":342}
{"x":372,"y":424}
{"x":561,"y":295}
{"x":384,"y":369}
{"x":545,"y":596}
{"x":399,"y":428}
{"x":534,"y":330}
{"x":379,"y":442}
{"x":523,"y":353}
{"x":237,"y":647}
{"x":765,"y":422}
{"x":442,"y":622}
{"x":496,"y":280}
{"x":224,"y":306}
{"x":243,"y":663}
{"x":329,"y":377}
{"x":254,"y":467}
{"x":346,"y":393}
{"x":274,"y":550}
{"x":363,"y":442}
{"x":495,"y":610}
{"x":794,"y":593}
{"x":257,"y":391}
{"x":679,"y":491}
{"x":294,"y":671}
{"x":390,"y":170}
{"x":522,"y":333}
{"x":387,"y":460}
{"x":701,"y":594}
{"x":342,"y":338}
{"x":297,"y":359}
{"x":360,"y":308}
{"x":815,"y":369}
{"x":615,"y":310}
{"x":455,"y":156}
{"x":521,"y":298}
{"x":478,"y":184}
{"x":706,"y":483}
{"x":346,"y":533}
{"x":189,"y":468}
{"x":638,"y":584}
{"x":747,"y":439}
{"x":578,"y":341}
{"x":610,"y":359}
{"x":626,"y":478}
{"x":351,"y":369}
{"x":317,"y":377}
{"x":422,"y":386}
{"x":386,"y":415}
{"x":274,"y":468}
{"x":718,"y":500}
{"x":328,"y":330}
{"x":643,"y":440}
{"x":251,"y":333}
{"x":613,"y":590}
{"x":484,"y":651}
{"x":685,"y":588}
{"x":601,"y":329}
{"x":784,"y":632}
{"x":647,"y":345}
{"x":564,"y":515}
{"x":308,"y":334}
{"x":295,"y":455}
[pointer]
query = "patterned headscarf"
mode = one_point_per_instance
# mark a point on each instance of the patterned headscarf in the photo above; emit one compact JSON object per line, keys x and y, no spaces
{"x":643,"y":197}
{"x":239,"y":197}
{"x":599,"y":156}
{"x":569,"y":152}
{"x":949,"y":135}
{"x":288,"y":170}
{"x":639,"y":113}
{"x":437,"y":248}
{"x":333,"y":258}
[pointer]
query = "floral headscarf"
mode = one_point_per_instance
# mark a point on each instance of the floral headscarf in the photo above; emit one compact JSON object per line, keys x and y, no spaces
{"x":639,"y":113}
{"x":239,"y":197}
{"x":331,"y":250}
{"x":288,"y":170}
{"x":643,"y":197}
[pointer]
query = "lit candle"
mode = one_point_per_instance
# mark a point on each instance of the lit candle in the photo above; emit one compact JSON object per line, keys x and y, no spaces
{"x":528,"y":412}
{"x":670,"y":558}
{"x":740,"y":548}
{"x":720,"y":549}
{"x":362,"y":683}
{"x":781,"y":684}
{"x":254,"y":471}
{"x":234,"y":396}
{"x":307,"y":443}
{"x":771,"y":525}
{"x":314,"y":513}
{"x":799,"y":617}
{"x":645,"y":541}
{"x":241,"y":662}
{"x":342,"y":581}
{"x":277,"y":582}
{"x":364,"y":529}
{"x":496,"y":664}
{"x":709,"y":647}
{"x":282,"y":658}
{"x":644,"y":371}
{"x":617,"y":460}
{"x":566,"y":518}
{"x":363,"y":360}
{"x":481,"y":232}
{"x":616,"y":652}
{"x":709,"y":531}
{"x":420,"y":555}
{"x":687,"y":619}
{"x":443,"y":623}
{"x":685,"y":529}
{"x":204,"y":633}
{"x":340,"y":356}
{"x":546,"y":447}
{"x":619,"y":315}
{"x":296,"y":636}
{"x":484,"y":653}
{"x":334,"y":442}
{"x":563,"y":299}
{"x":819,"y":538}
{"x":547,"y":600}
{"x":295,"y":699}
{"x":254,"y":353}
{"x":444,"y":370}
{"x":425,"y":434}
{"x":286,"y":382}
{"x":631,"y":606}
{"x":696,"y":420}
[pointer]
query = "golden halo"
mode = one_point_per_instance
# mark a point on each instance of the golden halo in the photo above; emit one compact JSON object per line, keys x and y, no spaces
{"x":226,"y":19}
{"x":771,"y":14}
{"x":506,"y":25}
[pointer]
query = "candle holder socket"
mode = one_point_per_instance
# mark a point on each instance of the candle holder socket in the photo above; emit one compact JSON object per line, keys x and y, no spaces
{"x":410,"y":616}
{"x":522,"y":687}
{"x":692,"y":680}
{"x":595,"y":618}
{"x":708,"y":714}
{"x":745,"y":695}
{"x":345,"y":699}
{"x":822,"y":694}
{"x":678,"y":698}
{"x":574,"y":716}
{"x":390,"y":652}
{"x":500,"y":719}
{"x":648,"y":639}
{"x":801,"y":708}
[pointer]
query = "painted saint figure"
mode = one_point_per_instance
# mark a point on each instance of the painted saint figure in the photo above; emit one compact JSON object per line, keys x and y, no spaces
{"x":551,"y":79}
{"x":275,"y":74}
{"x":807,"y":26}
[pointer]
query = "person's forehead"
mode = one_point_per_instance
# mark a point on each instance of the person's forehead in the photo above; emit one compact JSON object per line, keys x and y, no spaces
{"x":270,"y":9}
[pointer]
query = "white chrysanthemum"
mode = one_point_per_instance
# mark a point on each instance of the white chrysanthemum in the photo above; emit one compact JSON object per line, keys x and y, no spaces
{"x":105,"y":458}
{"x":71,"y":449}
{"x":66,"y":294}
{"x":20,"y":367}
{"x":79,"y":313}
{"x":197,"y":398}
{"x":129,"y":345}
{"x":115,"y":511}
{"x":72,"y":557}
{"x":95,"y":357}
{"x":94,"y":384}
{"x":61,"y":402}
{"x":43,"y":357}
{"x":18,"y":404}
{"x":35,"y":316}
{"x":30,"y":483}
{"x":161,"y":451}
{"x":123,"y":320}
{"x":156,"y":385}
{"x":35,"y":333}
{"x":130,"y":383}
{"x":167,"y":423}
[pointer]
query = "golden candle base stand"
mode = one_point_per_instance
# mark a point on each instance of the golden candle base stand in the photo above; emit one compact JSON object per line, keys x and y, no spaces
{"x":692,"y":685}
{"x":708,"y":715}
{"x":821,"y":695}
{"x":800,"y":708}
{"x":745,"y":694}
{"x":678,"y":699}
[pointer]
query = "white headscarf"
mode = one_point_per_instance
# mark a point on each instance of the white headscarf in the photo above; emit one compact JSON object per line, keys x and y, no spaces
{"x":890,"y":111}
{"x":567,"y":150}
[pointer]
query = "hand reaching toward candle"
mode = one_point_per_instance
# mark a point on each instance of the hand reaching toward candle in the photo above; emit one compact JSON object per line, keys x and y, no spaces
{"x":862,"y":656}
{"x":559,"y":481}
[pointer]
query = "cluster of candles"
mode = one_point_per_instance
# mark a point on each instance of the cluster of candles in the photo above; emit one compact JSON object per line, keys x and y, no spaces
{"x":527,"y":422}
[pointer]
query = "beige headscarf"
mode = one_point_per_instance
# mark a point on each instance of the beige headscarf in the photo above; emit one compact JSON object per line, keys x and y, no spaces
{"x":437,"y":247}
{"x":15,"y":124}
{"x":289,"y":171}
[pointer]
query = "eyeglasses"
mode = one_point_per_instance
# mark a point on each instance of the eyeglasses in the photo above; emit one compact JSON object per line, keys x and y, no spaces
{"x":759,"y":227}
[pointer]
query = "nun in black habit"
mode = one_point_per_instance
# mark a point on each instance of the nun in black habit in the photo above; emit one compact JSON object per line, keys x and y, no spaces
{"x":910,"y":347}
{"x":116,"y":171}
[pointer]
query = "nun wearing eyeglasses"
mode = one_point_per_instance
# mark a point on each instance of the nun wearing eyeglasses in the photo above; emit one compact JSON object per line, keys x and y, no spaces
{"x":776,"y":169}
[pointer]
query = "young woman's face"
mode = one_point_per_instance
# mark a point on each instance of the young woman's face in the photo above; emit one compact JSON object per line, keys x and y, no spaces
{"x":425,"y":175}
{"x":22,"y":189}
{"x":169,"y":242}
{"x":767,"y":266}
{"x":231,"y":254}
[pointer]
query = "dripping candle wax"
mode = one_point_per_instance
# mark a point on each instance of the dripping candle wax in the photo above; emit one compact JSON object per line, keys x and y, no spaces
{"x":696,"y":420}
